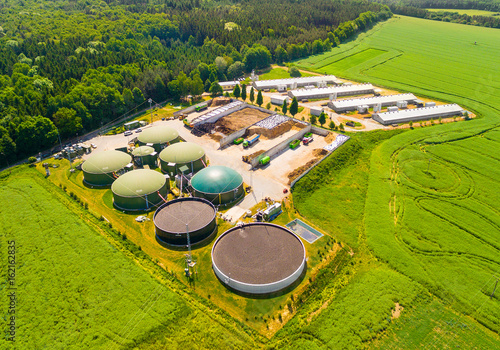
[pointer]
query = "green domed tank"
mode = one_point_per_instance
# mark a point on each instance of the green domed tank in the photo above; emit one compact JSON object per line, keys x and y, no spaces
{"x":102,"y":168}
{"x":218,"y":184}
{"x":145,"y":155}
{"x":140,"y":189}
{"x":159,"y":137}
{"x":180,"y":154}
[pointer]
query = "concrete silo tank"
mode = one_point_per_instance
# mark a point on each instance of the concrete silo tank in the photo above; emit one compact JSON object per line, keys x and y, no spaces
{"x":219,"y":185}
{"x":183,"y":153}
{"x":102,"y":168}
{"x":158,"y":137}
{"x":145,"y":155}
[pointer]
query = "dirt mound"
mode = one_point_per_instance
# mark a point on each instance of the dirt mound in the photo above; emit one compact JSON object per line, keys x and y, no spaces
{"x":330,"y":137}
{"x":220,"y":101}
{"x":248,"y":158}
{"x":319,"y":152}
{"x":239,"y":120}
{"x":216,"y":137}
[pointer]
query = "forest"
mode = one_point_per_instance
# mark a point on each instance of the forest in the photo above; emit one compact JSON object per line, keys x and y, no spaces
{"x":68,"y":67}
{"x":418,"y":8}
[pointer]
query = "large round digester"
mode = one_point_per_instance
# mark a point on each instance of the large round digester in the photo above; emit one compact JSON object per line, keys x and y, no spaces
{"x":218,"y":184}
{"x":140,"y":189}
{"x":145,"y":155}
{"x":159,"y":137}
{"x":258,"y":258}
{"x":182,"y":154}
{"x":102,"y":168}
{"x":173,"y":219}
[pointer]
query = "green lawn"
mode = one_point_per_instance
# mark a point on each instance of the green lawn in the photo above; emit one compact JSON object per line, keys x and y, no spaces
{"x":279,"y":73}
{"x":75,"y":290}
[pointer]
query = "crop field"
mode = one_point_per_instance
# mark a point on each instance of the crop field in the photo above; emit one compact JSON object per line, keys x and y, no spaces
{"x":431,"y":209}
{"x":77,"y":290}
{"x":470,"y":12}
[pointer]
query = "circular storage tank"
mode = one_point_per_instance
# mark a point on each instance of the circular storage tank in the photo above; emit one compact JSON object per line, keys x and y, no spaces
{"x":182,"y":154}
{"x":218,"y":184}
{"x":171,"y":218}
{"x":258,"y":258}
{"x":145,"y":155}
{"x":102,"y":168}
{"x":139,"y":189}
{"x":158,"y":136}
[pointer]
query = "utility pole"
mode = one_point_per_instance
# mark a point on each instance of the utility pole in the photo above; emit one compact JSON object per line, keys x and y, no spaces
{"x":151,"y":101}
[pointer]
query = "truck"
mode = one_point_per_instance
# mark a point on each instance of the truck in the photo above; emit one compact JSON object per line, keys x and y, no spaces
{"x":307,"y":138}
{"x":248,"y":143}
{"x":201,"y":107}
{"x":265,"y":160}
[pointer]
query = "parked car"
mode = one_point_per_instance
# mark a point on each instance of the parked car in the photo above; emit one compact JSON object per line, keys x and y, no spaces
{"x":127,"y":133}
{"x":138,"y":130}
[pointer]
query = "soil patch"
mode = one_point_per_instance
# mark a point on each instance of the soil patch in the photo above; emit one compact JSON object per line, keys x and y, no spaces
{"x":277,"y":131}
{"x":239,"y":120}
{"x":318,"y":153}
{"x":220,"y":101}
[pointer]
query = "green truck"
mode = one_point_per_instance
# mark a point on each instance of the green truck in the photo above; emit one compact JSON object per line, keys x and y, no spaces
{"x":294,"y":144}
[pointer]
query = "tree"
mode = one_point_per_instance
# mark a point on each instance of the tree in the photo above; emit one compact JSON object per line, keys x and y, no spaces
{"x":252,"y":95}
{"x":237,"y":91}
{"x":284,"y":107}
{"x":331,"y":125}
{"x":128,"y":98}
{"x":294,"y":107}
{"x":243,"y":92}
{"x":67,"y":122}
{"x":410,"y":124}
{"x":221,"y":65}
{"x":174,"y":89}
{"x":322,"y":118}
{"x":197,"y":87}
{"x":235,"y":70}
{"x":260,"y":100}
{"x":215,"y":89}
{"x":257,"y":57}
{"x":268,"y":106}
{"x":341,"y":126}
{"x":294,"y":72}
{"x":313,"y":119}
{"x":280,"y":54}
{"x":138,"y":96}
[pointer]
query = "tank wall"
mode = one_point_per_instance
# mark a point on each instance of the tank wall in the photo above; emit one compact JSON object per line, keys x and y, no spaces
{"x":141,"y":202}
{"x":224,"y":198}
{"x":98,"y":179}
{"x":160,"y":146}
{"x":180,"y":239}
{"x":259,"y":288}
{"x":195,"y":166}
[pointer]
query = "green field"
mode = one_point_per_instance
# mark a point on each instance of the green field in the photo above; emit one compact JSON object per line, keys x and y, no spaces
{"x":77,"y":290}
{"x":470,"y":12}
{"x":431,"y":210}
{"x":278,"y":73}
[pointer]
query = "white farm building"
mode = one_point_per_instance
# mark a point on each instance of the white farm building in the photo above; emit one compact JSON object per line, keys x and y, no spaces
{"x":279,"y":99}
{"x":352,"y":104}
{"x":331,"y":92}
{"x":416,"y":114}
{"x":293,"y":83}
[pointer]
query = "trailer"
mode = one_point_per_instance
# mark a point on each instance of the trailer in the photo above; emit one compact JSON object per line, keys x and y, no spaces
{"x":238,"y":140}
{"x":272,"y":212}
{"x":265,"y":160}
{"x":294,"y":144}
{"x":201,"y":108}
{"x":248,"y":143}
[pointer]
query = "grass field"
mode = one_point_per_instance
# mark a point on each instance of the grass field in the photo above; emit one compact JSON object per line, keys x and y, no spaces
{"x":431,"y":209}
{"x":470,"y":12}
{"x":279,"y":73}
{"x":77,"y":290}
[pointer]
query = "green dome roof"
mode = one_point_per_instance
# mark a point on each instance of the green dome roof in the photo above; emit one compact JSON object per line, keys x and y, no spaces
{"x":106,"y":162}
{"x":143,"y":151}
{"x":138,"y":183}
{"x":216,"y":179}
{"x":158,"y":134}
{"x":182,"y":152}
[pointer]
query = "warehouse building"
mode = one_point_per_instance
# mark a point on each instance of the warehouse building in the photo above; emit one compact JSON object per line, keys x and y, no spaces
{"x":219,"y":185}
{"x":258,"y":259}
{"x":293,"y":83}
{"x":316,"y":110}
{"x":352,"y":104}
{"x":158,"y":137}
{"x":331,"y":92}
{"x":416,"y":114}
{"x":228,"y":85}
{"x":145,"y":155}
{"x":102,"y":168}
{"x":174,"y":219}
{"x":278,"y":100}
{"x":140,"y":189}
{"x":182,"y":154}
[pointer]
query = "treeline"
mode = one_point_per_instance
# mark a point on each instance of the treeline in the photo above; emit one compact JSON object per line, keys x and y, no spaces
{"x":69,"y":67}
{"x":418,"y":8}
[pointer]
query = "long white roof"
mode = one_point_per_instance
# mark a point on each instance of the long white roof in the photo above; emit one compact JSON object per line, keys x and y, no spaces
{"x":302,"y":93}
{"x":418,"y":113}
{"x":354,"y":102}
{"x":329,"y":79}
